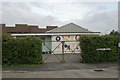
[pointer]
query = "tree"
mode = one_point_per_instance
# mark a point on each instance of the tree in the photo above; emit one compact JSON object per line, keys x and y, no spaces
{"x":114,"y":33}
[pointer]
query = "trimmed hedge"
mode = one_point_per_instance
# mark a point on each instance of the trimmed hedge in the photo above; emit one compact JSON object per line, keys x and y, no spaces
{"x":21,"y":51}
{"x":89,"y":44}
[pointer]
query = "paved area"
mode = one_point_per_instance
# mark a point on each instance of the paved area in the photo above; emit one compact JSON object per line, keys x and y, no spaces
{"x":66,"y":70}
{"x":79,"y":73}
{"x":57,"y":66}
{"x":70,"y":57}
{"x":53,"y":68}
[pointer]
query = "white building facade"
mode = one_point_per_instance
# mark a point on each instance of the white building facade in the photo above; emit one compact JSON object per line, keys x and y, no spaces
{"x":69,"y":33}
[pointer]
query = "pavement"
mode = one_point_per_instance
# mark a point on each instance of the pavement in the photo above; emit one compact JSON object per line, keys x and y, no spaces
{"x":63,"y":70}
{"x":79,"y":73}
{"x":72,"y":68}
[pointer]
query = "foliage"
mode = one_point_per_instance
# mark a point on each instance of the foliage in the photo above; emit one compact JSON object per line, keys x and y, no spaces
{"x":89,"y":44}
{"x":21,"y":51}
{"x":114,"y":33}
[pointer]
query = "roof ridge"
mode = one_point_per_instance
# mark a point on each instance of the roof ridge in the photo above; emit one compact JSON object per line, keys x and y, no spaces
{"x":70,"y":26}
{"x":80,"y":27}
{"x":60,"y":26}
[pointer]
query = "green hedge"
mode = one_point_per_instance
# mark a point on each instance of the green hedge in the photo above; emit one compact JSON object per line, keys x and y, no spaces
{"x":21,"y":51}
{"x":89,"y":44}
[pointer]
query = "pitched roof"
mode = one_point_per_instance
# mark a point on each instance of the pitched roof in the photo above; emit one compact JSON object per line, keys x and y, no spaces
{"x":69,"y":28}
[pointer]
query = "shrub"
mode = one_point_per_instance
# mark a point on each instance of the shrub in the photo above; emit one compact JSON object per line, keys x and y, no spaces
{"x":21,"y":51}
{"x":89,"y":44}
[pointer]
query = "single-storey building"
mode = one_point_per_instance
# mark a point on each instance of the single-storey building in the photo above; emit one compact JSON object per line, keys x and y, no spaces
{"x":70,"y":33}
{"x":54,"y":36}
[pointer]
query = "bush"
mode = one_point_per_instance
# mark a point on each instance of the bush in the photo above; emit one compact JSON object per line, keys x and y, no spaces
{"x":89,"y":44}
{"x":21,"y":51}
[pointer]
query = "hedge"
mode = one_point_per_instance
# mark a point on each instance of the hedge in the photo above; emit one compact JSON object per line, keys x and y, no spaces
{"x":89,"y":44}
{"x":21,"y":51}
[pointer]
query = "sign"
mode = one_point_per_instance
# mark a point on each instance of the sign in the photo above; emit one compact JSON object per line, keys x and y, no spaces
{"x":118,"y":44}
{"x":66,"y":38}
{"x":58,"y":38}
{"x":77,"y":38}
{"x":103,"y":49}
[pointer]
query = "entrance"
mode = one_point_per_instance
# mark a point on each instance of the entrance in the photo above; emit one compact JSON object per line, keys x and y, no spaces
{"x":62,"y":52}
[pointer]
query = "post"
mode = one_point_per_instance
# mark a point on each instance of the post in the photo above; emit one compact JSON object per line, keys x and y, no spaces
{"x":63,"y":61}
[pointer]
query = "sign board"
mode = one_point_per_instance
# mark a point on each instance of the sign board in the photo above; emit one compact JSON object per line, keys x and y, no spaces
{"x":103,"y":49}
{"x":118,"y":44}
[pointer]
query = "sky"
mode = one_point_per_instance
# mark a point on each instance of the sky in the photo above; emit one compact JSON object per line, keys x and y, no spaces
{"x":94,"y":16}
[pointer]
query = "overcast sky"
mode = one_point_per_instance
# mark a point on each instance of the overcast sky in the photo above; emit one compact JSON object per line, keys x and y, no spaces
{"x":99,"y":16}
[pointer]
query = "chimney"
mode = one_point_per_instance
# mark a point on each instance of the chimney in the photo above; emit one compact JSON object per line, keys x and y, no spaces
{"x":3,"y":28}
{"x":21,"y":28}
{"x":51,"y":27}
{"x":19,"y":25}
{"x":2,"y":25}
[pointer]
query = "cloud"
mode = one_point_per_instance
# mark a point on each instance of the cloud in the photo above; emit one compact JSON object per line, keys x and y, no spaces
{"x":93,"y":16}
{"x":103,"y":22}
{"x":19,"y":14}
{"x":63,"y":11}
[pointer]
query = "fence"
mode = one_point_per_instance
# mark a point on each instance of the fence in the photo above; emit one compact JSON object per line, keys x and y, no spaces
{"x":61,"y":49}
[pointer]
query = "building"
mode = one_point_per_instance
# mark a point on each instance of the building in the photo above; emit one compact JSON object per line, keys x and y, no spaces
{"x":70,"y":33}
{"x":24,"y":28}
{"x":53,"y":36}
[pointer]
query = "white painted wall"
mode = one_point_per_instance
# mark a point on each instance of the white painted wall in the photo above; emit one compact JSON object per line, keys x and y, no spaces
{"x":70,"y":41}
